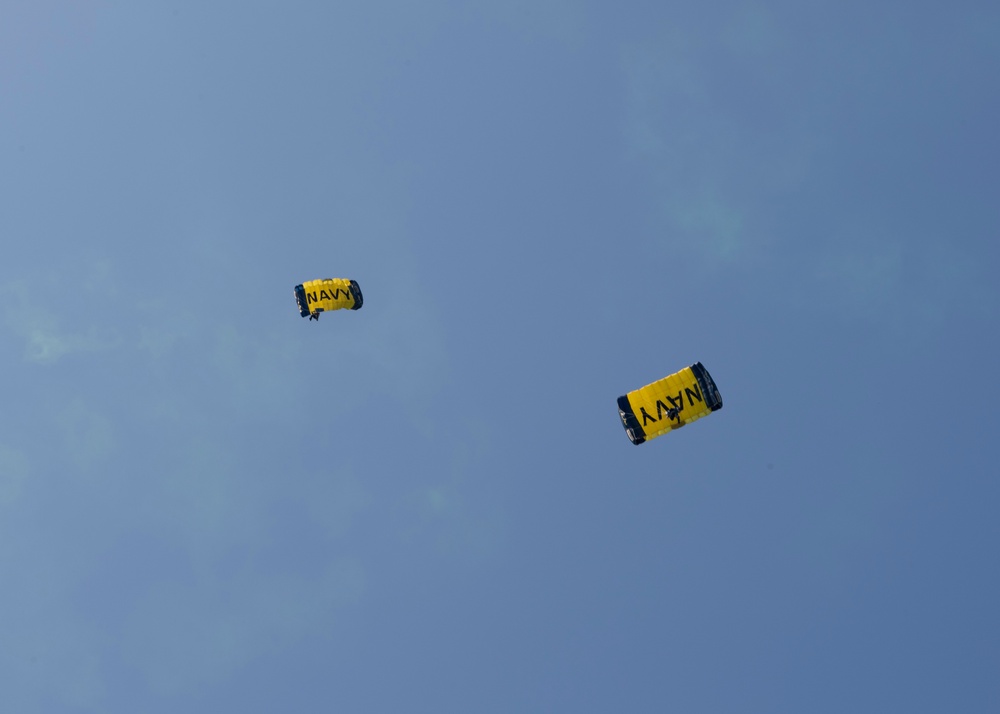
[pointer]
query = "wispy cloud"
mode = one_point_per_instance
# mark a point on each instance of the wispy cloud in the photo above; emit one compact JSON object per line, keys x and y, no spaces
{"x":715,"y":147}
{"x":184,"y":633}
{"x":14,"y":468}
{"x":713,"y":226}
{"x":191,"y":416}
{"x":864,"y":277}
{"x":30,"y":312}
{"x":89,"y":434}
{"x":880,"y":278}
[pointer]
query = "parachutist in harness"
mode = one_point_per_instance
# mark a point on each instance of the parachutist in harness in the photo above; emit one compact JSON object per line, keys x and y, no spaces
{"x":314,"y":316}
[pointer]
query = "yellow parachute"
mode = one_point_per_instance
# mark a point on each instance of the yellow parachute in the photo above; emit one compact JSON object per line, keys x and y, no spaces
{"x":316,"y":296}
{"x":669,"y":403}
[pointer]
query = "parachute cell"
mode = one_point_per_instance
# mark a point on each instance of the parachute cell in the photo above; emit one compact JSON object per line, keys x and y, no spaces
{"x":316,"y":296}
{"x":669,"y":403}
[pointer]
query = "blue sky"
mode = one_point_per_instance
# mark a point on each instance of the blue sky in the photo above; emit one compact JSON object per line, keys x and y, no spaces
{"x":547,"y":204}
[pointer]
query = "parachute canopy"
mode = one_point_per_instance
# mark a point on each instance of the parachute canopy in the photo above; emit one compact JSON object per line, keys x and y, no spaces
{"x":316,"y":296}
{"x":669,"y":403}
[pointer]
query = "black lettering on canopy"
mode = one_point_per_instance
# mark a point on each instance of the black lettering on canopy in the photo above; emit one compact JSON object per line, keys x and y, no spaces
{"x":661,"y":407}
{"x":696,"y":393}
{"x":670,"y":411}
{"x":324,"y":295}
{"x":645,"y":417}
